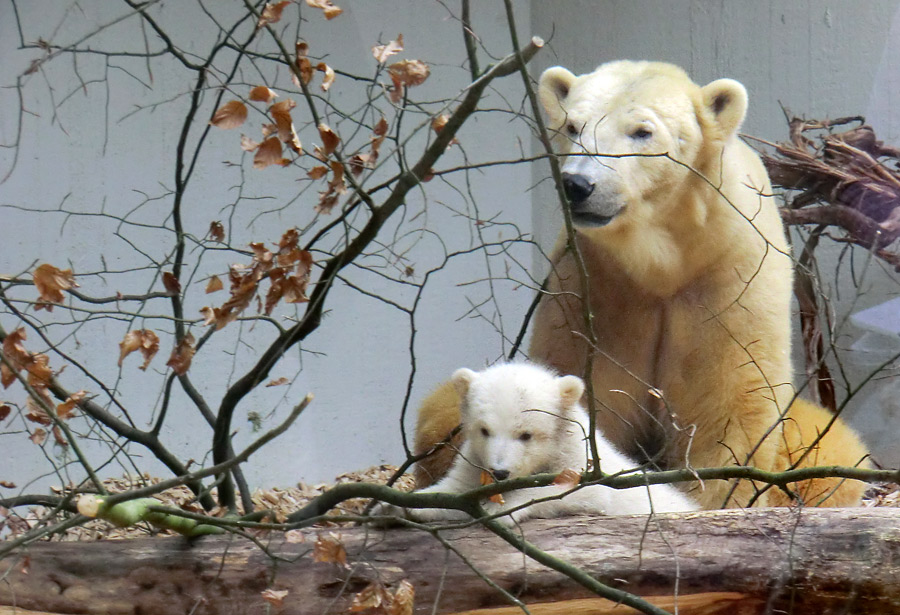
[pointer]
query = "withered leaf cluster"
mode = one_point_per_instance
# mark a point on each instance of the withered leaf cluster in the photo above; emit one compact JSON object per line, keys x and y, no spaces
{"x":404,"y":74}
{"x":275,"y":135}
{"x":330,"y":550}
{"x":287,"y":269}
{"x":306,"y":70}
{"x":38,"y":375}
{"x":379,"y":600}
{"x":144,"y":340}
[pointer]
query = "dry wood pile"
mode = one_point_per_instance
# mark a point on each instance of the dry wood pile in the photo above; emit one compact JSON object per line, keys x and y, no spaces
{"x":840,"y":176}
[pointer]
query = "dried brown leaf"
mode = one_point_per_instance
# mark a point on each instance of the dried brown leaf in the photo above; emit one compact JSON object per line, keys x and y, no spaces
{"x":7,"y":484}
{"x":35,"y":411}
{"x":407,"y":73}
{"x":66,"y":409}
{"x":264,"y":94}
{"x":39,"y":372}
{"x":404,"y":599}
{"x":381,"y":128}
{"x":337,"y":179}
{"x":278,"y":382}
{"x":15,"y":353}
{"x":182,"y":355}
{"x":359,"y":163}
{"x":261,"y":254}
{"x":50,"y":282}
{"x":248,"y":144}
{"x":328,"y":8}
{"x":305,"y":68}
{"x":275,"y":597}
{"x":373,"y":597}
{"x":327,"y":202}
{"x":383,"y":52}
{"x":329,"y":549}
{"x":271,"y":13}
{"x":568,"y":478}
{"x":488,"y":479}
{"x":58,"y":436}
{"x":214,"y":285}
{"x":281,"y":113}
{"x":144,"y":340}
{"x":294,"y":537}
{"x":289,"y":241}
{"x":7,"y":376}
{"x":38,"y":436}
{"x":230,"y":115}
{"x":210,"y":315}
{"x":171,"y":283}
{"x":269,"y":153}
{"x":217,"y":231}
{"x":317,"y":172}
{"x":330,"y":139}
{"x":328,"y":79}
{"x":4,"y":411}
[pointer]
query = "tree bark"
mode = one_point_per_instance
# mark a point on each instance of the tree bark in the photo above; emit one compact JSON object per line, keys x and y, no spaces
{"x":732,"y":561}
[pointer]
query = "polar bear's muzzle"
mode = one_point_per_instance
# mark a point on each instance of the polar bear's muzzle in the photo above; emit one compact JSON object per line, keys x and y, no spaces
{"x":590,"y":207}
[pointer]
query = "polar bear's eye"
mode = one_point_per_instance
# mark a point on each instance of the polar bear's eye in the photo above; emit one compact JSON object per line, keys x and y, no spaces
{"x":641,"y":134}
{"x":525,"y":437}
{"x":485,"y":432}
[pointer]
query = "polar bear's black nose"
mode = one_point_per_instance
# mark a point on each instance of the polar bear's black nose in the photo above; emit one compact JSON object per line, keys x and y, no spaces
{"x":500,"y":474}
{"x":577,"y":187}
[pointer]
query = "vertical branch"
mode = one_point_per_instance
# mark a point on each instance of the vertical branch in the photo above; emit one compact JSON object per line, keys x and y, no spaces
{"x":470,"y":40}
{"x":571,"y":240}
{"x":810,"y":326}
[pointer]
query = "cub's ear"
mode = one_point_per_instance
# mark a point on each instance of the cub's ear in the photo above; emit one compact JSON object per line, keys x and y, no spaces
{"x":553,"y":90}
{"x":726,"y":102}
{"x":462,"y":379}
{"x":571,"y":388}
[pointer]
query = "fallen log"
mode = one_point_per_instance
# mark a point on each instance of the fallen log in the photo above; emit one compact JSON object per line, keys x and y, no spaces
{"x":732,"y":561}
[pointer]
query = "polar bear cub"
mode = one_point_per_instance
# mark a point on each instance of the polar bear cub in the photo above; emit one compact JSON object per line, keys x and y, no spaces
{"x":521,"y":419}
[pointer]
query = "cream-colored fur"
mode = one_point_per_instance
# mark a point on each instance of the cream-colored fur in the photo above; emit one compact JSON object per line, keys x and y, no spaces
{"x":811,"y":439}
{"x":522,"y":419}
{"x":689,"y":273}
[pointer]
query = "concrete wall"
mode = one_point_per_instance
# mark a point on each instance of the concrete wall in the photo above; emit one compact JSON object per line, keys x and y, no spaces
{"x":818,"y":58}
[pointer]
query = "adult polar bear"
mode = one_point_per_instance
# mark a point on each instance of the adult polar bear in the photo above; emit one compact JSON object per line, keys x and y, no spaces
{"x":690,"y":284}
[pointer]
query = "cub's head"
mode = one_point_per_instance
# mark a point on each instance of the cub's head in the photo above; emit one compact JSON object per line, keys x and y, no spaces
{"x":612,"y":122}
{"x":518,"y":418}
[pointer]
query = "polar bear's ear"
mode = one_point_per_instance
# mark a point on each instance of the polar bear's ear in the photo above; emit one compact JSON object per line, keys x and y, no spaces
{"x":462,"y":379}
{"x":726,"y":100}
{"x":571,"y":388}
{"x":553,"y":90}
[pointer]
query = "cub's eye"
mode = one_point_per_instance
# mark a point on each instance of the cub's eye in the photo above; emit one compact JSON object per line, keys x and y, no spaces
{"x":572,"y":130}
{"x":641,"y":134}
{"x":525,"y":437}
{"x":485,"y":432}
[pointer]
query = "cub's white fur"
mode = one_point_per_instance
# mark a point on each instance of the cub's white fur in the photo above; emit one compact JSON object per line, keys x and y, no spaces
{"x":521,"y":419}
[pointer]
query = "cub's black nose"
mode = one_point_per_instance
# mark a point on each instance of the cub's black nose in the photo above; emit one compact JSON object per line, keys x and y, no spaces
{"x":577,"y":187}
{"x":500,"y":474}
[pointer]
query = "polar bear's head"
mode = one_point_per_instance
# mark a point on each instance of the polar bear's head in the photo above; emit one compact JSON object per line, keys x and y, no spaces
{"x":520,"y":419}
{"x":634,"y":132}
